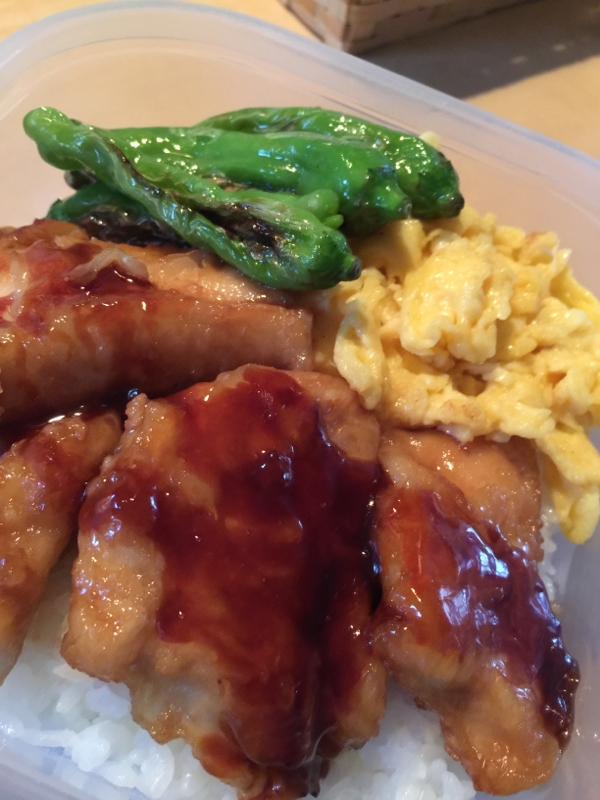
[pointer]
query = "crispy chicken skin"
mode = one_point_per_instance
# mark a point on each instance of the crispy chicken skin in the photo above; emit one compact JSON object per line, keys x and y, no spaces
{"x":80,"y":319}
{"x":224,"y":575}
{"x":201,"y":274}
{"x":464,"y":622}
{"x":500,"y":481}
{"x":42,"y":480}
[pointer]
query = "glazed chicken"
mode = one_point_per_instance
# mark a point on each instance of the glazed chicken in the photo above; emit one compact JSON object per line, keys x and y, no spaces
{"x":42,"y":479}
{"x":82,"y":319}
{"x":500,"y":481}
{"x":225,"y":571}
{"x":224,"y":575}
{"x":465,"y":623}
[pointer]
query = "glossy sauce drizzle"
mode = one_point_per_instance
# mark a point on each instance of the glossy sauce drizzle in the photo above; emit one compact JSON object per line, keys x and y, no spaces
{"x":471,"y":591}
{"x":269,"y":568}
{"x":51,"y":283}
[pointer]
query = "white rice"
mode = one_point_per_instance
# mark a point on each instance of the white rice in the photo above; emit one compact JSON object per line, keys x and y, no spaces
{"x":84,"y":728}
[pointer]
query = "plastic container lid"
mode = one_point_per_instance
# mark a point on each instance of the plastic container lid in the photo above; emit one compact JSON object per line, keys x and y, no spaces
{"x":144,"y":63}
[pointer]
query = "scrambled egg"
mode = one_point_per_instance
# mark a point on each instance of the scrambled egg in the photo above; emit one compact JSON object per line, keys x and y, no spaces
{"x":477,"y":329}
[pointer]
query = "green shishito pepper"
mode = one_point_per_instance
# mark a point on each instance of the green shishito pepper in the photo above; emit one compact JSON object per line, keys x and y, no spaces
{"x":276,"y":242}
{"x":424,"y":173}
{"x":265,"y":189}
{"x":361,"y":177}
{"x":106,"y":213}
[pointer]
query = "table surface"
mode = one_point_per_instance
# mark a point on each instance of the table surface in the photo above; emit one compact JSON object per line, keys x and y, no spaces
{"x":552,"y":87}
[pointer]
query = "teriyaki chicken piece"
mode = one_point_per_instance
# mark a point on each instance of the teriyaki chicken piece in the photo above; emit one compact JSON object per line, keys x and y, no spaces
{"x":42,"y":480}
{"x":465,"y":623}
{"x":81,"y":320}
{"x":224,"y":575}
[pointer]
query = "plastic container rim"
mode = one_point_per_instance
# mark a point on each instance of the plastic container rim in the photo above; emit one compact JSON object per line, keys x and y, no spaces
{"x":31,"y":46}
{"x":23,"y":41}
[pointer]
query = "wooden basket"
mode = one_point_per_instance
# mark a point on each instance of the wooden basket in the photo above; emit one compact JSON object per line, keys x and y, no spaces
{"x":360,"y":25}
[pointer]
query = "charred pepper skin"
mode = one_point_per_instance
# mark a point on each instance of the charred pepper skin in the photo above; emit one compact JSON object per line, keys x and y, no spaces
{"x":111,"y":216}
{"x":276,"y":242}
{"x":361,"y":177}
{"x":265,"y":189}
{"x":423,"y":173}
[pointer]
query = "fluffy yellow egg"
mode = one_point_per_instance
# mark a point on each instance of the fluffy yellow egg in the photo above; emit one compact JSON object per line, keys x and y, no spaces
{"x":477,"y":329}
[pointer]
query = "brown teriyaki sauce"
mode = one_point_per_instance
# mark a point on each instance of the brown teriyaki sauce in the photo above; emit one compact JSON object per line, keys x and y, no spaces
{"x":270,"y":571}
{"x":470,"y":590}
{"x":51,"y":283}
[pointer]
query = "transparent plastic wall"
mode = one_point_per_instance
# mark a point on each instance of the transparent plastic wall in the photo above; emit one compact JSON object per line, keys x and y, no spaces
{"x":148,"y":63}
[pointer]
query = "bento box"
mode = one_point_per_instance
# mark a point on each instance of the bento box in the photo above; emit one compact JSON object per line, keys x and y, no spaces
{"x":153,"y":63}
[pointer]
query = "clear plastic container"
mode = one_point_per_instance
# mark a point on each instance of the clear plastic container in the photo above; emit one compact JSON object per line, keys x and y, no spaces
{"x":143,"y":63}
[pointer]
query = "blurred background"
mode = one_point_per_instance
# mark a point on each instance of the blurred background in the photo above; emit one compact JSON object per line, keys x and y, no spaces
{"x":536,"y":63}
